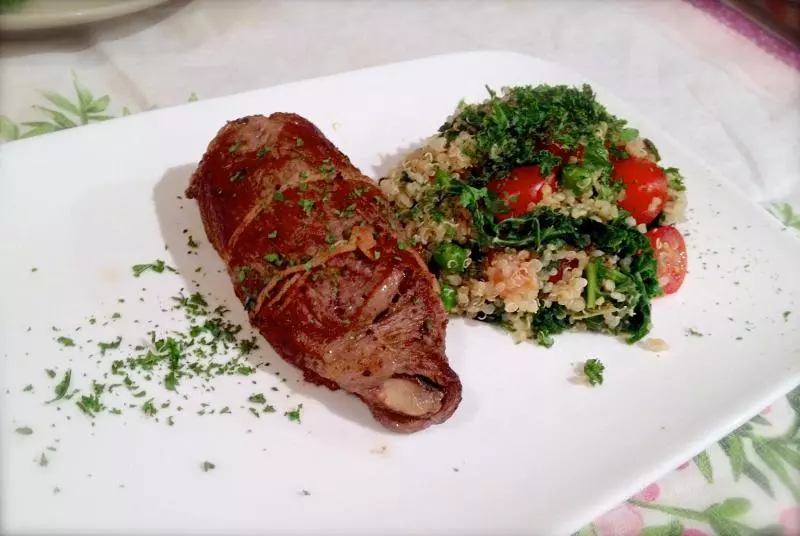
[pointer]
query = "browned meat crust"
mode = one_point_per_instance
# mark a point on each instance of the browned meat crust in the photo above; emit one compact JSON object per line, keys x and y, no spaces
{"x":311,"y":247}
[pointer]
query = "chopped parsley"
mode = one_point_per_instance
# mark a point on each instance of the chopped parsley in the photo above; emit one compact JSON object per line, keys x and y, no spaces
{"x":242,"y":274}
{"x":786,"y":315}
{"x":273,"y":258}
{"x":158,"y":266}
{"x":262,"y":151}
{"x":65,"y":341}
{"x":207,"y":466}
{"x":254,"y":411}
{"x":234,"y":147}
{"x":257,"y":398}
{"x":43,"y":461}
{"x":237,"y":176}
{"x":593,"y":370}
{"x":149,"y":409}
{"x":355,"y":193}
{"x":24,"y":430}
{"x":278,"y":195}
{"x":90,"y":405}
{"x":247,"y":345}
{"x":62,"y":387}
{"x":694,"y":332}
{"x":294,"y":414}
{"x":306,"y":205}
{"x":298,"y":142}
{"x":50,"y":373}
{"x":191,"y":242}
{"x":27,"y":388}
{"x":106,"y":346}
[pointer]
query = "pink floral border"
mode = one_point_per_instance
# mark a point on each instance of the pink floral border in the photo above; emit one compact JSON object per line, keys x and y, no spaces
{"x":751,"y":30}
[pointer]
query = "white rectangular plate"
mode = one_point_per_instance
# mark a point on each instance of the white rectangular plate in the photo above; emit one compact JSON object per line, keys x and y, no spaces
{"x":528,"y":452}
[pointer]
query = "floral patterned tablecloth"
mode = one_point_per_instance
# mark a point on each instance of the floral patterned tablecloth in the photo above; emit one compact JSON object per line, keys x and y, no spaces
{"x":730,"y":99}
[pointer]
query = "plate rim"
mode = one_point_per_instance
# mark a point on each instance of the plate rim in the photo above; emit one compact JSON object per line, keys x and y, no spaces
{"x":20,"y":21}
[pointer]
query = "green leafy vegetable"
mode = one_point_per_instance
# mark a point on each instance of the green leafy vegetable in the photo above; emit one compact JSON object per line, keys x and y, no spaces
{"x":549,"y":321}
{"x":24,"y":430}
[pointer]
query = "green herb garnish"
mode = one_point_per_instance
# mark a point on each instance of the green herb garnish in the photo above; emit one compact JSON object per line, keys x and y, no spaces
{"x":257,"y":398}
{"x":62,"y":387}
{"x":158,"y":266}
{"x":106,"y":346}
{"x":306,"y":205}
{"x":90,"y":405}
{"x":593,"y":370}
{"x":65,"y":341}
{"x":294,"y":415}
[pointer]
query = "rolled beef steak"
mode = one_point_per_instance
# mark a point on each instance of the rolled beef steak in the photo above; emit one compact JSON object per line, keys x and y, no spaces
{"x":313,"y":250}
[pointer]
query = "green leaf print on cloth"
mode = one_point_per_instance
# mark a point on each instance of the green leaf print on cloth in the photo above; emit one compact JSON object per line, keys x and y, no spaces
{"x":762,"y":459}
{"x":786,"y":214}
{"x":62,"y":113}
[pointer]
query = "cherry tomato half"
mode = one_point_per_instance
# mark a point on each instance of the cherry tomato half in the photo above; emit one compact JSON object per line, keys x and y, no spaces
{"x":520,"y":190}
{"x":670,"y":251}
{"x":645,"y":188}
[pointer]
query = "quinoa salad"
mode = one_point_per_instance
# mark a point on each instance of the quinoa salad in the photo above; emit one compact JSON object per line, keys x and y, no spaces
{"x":541,"y":212}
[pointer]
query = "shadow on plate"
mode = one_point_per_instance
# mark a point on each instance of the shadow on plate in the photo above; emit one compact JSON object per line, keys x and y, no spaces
{"x":390,"y":160}
{"x":179,"y":218}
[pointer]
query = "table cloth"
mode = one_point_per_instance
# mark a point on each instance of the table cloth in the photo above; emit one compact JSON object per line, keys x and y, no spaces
{"x":728,"y":92}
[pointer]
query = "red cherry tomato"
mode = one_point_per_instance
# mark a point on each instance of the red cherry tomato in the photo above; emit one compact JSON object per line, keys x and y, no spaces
{"x":563,"y":264}
{"x":645,"y":188}
{"x":520,"y":190}
{"x":670,"y":251}
{"x":563,"y":152}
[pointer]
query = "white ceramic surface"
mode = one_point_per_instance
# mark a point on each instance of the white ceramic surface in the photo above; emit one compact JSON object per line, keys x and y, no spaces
{"x":535,"y":453}
{"x":43,"y":14}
